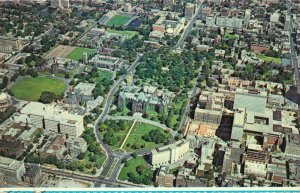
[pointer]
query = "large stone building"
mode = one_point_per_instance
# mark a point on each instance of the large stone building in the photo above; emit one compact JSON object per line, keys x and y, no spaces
{"x":7,"y":43}
{"x":170,"y":154}
{"x":13,"y":170}
{"x":108,"y":62}
{"x":142,"y":100}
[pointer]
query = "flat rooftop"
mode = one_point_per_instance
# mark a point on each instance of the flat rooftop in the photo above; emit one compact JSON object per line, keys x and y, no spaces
{"x":251,"y":102}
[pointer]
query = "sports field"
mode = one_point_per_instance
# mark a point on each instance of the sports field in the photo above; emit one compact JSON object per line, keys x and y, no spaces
{"x":60,"y":51}
{"x":118,"y":20}
{"x":30,"y":89}
{"x":76,"y":54}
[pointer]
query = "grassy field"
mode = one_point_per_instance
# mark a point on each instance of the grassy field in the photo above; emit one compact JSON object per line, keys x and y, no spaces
{"x":131,"y":166}
{"x":230,"y":36}
{"x":76,"y":54}
{"x":269,"y":59}
{"x":118,"y":20}
{"x":130,"y":34}
{"x":135,"y":137}
{"x":103,"y":74}
{"x":30,"y":88}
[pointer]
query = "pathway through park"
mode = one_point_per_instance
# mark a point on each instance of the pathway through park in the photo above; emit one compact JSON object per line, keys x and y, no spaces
{"x":128,"y":134}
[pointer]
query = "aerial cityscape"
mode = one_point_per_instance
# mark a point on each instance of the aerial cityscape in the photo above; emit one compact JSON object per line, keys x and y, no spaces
{"x":149,"y":93}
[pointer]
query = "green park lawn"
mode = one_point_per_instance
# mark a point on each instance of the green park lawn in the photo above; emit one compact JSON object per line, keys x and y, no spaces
{"x":269,"y":59}
{"x":131,"y":166}
{"x":130,"y":34}
{"x":135,"y":137}
{"x":30,"y":89}
{"x":118,"y":20}
{"x":121,"y":134}
{"x":230,"y":36}
{"x":76,"y":54}
{"x":103,"y":74}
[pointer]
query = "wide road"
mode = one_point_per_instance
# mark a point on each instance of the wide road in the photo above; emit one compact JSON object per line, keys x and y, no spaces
{"x":294,"y":58}
{"x":189,"y":28}
{"x":77,"y":176}
{"x":108,"y":102}
{"x":85,"y":32}
{"x":187,"y":108}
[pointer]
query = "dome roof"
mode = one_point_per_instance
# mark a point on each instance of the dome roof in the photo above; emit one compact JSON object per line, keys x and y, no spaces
{"x":170,"y":31}
{"x":3,"y":96}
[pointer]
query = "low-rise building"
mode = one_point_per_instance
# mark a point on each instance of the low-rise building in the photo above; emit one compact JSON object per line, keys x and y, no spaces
{"x":292,"y":148}
{"x":84,"y":91}
{"x":33,"y":175}
{"x":76,"y":145}
{"x":256,"y":161}
{"x":13,"y":170}
{"x":231,"y":22}
{"x":170,"y":27}
{"x":162,"y":178}
{"x":5,"y":101}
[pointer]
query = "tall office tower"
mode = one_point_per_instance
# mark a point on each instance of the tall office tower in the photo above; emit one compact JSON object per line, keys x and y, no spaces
{"x":190,"y":10}
{"x":247,"y":16}
{"x":287,"y":23}
{"x":65,"y":3}
{"x":127,"y":7}
{"x":60,"y":3}
{"x":168,"y":3}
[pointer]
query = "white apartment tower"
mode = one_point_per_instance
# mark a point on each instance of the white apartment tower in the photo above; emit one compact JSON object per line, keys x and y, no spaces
{"x":168,"y":3}
{"x":60,"y":3}
{"x":247,"y":16}
{"x":190,"y":10}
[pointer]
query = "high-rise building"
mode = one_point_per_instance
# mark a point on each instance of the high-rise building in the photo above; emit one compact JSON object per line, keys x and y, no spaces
{"x":247,"y":16}
{"x":168,"y":3}
{"x":190,"y":10}
{"x":127,"y":7}
{"x":287,"y":23}
{"x":60,"y":3}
